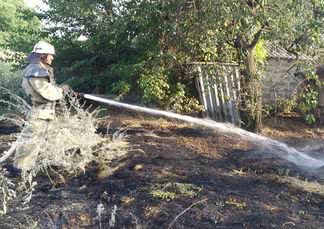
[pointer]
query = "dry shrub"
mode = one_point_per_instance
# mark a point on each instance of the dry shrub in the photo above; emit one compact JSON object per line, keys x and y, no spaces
{"x":14,"y":109}
{"x":7,"y":190}
{"x":67,"y":144}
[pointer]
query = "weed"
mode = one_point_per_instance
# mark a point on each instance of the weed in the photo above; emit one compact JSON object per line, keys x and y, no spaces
{"x":66,"y":142}
{"x":163,"y":195}
{"x":152,"y":211}
{"x":232,"y":201}
{"x":271,"y":208}
{"x":283,"y":172}
{"x":188,"y":190}
{"x":170,"y":191}
{"x":24,"y":222}
{"x":238,"y":172}
{"x":127,"y":200}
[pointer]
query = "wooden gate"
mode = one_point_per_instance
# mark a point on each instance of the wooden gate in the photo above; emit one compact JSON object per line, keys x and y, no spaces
{"x":218,"y":85}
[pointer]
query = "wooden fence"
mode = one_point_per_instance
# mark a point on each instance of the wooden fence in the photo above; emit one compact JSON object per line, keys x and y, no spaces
{"x":218,"y":86}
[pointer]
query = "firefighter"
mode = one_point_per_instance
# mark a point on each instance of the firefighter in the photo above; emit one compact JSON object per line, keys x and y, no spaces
{"x":39,"y":82}
{"x":40,"y":86}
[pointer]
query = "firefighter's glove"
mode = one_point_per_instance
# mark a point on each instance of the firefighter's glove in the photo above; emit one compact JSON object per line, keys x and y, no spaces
{"x":79,"y":95}
{"x":67,"y":90}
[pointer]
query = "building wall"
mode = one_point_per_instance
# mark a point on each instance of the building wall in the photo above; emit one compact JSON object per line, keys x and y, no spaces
{"x":277,"y":81}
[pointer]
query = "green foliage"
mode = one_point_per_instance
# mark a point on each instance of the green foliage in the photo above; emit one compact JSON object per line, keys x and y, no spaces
{"x":308,"y":97}
{"x":269,"y":109}
{"x":310,"y":119}
{"x":163,"y":195}
{"x":20,"y":28}
{"x":156,"y":89}
{"x":260,"y":53}
{"x":309,"y":100}
{"x":308,"y":104}
{"x":179,"y":101}
{"x":287,"y":105}
{"x":10,"y":78}
{"x":141,"y":47}
{"x":121,"y":87}
{"x":154,"y":86}
{"x":306,"y":100}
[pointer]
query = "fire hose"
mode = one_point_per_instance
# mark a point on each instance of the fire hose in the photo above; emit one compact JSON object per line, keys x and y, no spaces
{"x":167,"y":114}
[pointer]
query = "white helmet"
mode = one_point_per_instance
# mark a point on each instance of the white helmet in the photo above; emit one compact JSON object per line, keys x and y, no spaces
{"x":43,"y":47}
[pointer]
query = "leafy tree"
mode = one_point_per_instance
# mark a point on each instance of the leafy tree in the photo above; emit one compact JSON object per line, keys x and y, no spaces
{"x":295,"y":25}
{"x":20,"y":28}
{"x":145,"y":46}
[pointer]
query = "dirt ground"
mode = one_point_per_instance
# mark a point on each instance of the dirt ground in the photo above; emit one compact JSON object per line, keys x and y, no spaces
{"x":182,"y":176}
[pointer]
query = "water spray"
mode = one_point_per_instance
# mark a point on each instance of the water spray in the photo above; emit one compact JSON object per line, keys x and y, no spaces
{"x":279,"y":148}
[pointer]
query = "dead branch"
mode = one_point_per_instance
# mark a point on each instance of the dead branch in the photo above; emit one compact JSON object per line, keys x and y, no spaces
{"x":187,"y":209}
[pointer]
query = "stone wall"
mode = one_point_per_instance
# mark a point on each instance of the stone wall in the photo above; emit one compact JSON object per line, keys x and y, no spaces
{"x":277,"y":81}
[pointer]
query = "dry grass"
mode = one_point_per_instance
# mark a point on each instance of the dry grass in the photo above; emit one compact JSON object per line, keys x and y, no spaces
{"x":271,"y":208}
{"x":285,"y":128}
{"x":308,"y":186}
{"x":232,"y":201}
{"x":148,"y":122}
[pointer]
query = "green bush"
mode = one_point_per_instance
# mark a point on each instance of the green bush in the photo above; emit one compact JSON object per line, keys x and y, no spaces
{"x":10,"y":78}
{"x":154,"y":86}
{"x":308,"y":98}
{"x":305,"y":101}
{"x":10,"y":85}
{"x":180,"y":102}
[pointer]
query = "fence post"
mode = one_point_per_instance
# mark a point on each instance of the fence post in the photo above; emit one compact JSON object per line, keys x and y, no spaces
{"x":201,"y":88}
{"x":219,"y":93}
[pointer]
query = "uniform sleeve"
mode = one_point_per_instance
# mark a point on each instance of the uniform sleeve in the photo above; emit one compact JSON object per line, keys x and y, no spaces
{"x":45,"y":89}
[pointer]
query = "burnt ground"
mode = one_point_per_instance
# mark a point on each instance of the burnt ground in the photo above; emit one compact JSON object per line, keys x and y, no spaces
{"x":181,"y":176}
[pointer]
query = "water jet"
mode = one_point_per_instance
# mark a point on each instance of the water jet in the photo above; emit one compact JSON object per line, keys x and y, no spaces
{"x":279,"y":148}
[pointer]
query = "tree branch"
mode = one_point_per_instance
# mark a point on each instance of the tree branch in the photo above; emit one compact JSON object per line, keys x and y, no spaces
{"x":256,"y":38}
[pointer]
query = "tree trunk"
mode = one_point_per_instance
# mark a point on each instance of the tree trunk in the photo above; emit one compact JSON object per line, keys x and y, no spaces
{"x":109,"y":8}
{"x":254,"y":93}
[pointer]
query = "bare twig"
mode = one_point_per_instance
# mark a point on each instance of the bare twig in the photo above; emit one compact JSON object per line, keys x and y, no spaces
{"x":187,"y":209}
{"x":49,"y":177}
{"x":289,"y":223}
{"x":50,"y":219}
{"x":8,"y":153}
{"x":136,"y":221}
{"x":61,"y":177}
